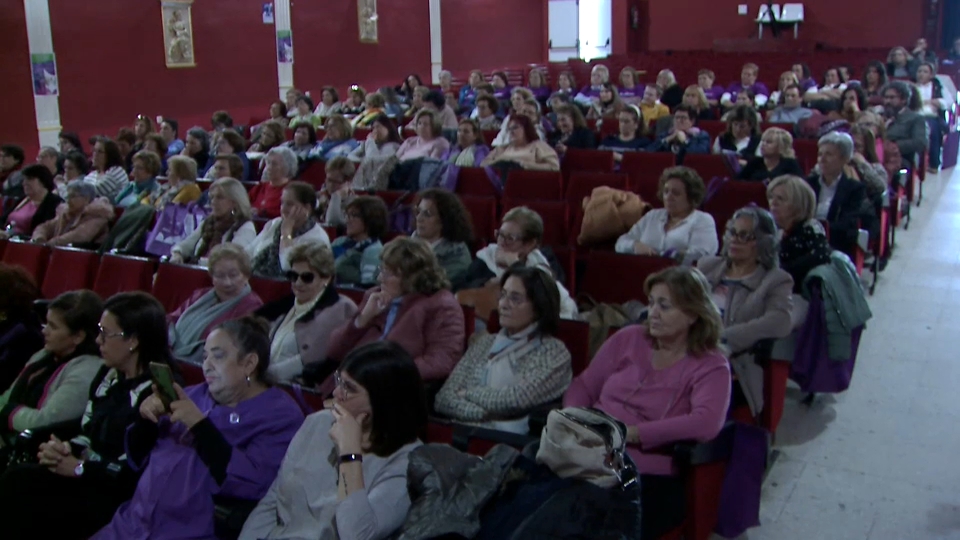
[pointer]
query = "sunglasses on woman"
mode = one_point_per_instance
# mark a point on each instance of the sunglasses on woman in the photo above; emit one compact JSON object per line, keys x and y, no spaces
{"x":306,"y":277}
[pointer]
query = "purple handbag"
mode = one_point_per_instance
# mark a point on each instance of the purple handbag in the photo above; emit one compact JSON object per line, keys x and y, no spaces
{"x":742,"y":482}
{"x":174,"y":223}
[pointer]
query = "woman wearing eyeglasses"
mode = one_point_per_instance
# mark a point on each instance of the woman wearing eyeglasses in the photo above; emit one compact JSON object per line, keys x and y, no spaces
{"x":345,"y":472}
{"x":302,"y":322}
{"x":229,"y":298}
{"x":357,"y":252}
{"x":295,"y":226}
{"x":752,"y":293}
{"x":445,"y":225}
{"x":88,"y":477}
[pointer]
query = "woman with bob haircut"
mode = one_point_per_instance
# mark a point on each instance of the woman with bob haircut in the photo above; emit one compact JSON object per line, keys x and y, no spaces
{"x":777,"y":157}
{"x":345,"y":472}
{"x":667,"y":381}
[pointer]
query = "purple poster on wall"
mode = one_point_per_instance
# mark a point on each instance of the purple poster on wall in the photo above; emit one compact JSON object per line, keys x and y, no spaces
{"x":44,"y":75}
{"x":284,"y":47}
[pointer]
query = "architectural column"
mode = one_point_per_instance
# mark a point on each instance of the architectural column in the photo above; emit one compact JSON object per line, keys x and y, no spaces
{"x":436,"y":42}
{"x":40,"y":42}
{"x":281,"y":14}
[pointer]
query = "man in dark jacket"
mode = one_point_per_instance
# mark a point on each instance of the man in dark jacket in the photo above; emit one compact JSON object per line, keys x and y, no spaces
{"x":905,"y":127}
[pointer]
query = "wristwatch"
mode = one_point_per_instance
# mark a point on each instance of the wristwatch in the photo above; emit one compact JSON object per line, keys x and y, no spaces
{"x":78,"y":470}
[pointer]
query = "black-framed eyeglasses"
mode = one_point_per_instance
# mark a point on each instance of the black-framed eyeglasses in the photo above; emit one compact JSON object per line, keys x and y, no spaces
{"x":306,"y":277}
{"x":741,"y":236}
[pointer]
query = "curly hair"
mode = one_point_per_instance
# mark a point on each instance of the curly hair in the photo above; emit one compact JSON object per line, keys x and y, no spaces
{"x":19,"y":292}
{"x":415,"y":262}
{"x":692,"y":183}
{"x":690,"y":293}
{"x":454,"y":217}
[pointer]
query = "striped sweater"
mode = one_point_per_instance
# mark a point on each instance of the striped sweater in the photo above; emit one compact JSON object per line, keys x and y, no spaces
{"x":109,"y":183}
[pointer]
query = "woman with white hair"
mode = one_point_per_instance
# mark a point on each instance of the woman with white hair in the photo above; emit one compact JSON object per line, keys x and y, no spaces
{"x":752,"y":293}
{"x":840,"y":200}
{"x":280,"y":167}
{"x":83,"y":219}
{"x":803,"y":240}
{"x":671,"y":93}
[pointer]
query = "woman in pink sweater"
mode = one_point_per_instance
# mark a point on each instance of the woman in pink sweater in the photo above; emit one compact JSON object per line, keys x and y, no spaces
{"x":428,"y":143}
{"x":667,"y":381}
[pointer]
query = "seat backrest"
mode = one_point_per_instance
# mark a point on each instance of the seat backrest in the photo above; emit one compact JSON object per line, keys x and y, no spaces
{"x":314,"y":174}
{"x":615,"y":278}
{"x":361,"y":133}
{"x":713,"y":127}
{"x":576,"y":336}
{"x":31,"y":257}
{"x":644,"y":170}
{"x":270,"y":290}
{"x":577,"y":159}
{"x":122,"y":273}
{"x":474,"y":181}
{"x":71,"y":269}
{"x":192,"y":373}
{"x":483,"y":215}
{"x":352,"y":293}
{"x":175,"y":283}
{"x":708,"y":166}
{"x":534,"y":185}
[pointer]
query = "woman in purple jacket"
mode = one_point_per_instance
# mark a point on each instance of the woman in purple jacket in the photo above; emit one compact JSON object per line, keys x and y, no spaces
{"x":225,"y":437}
{"x":469,"y":151}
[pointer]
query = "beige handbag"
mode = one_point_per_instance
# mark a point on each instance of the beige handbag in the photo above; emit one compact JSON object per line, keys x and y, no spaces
{"x":587,"y":444}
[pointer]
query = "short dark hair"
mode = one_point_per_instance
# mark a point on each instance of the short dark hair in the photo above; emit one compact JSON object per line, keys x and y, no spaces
{"x":435,"y":97}
{"x":19,"y":292}
{"x":235,"y":140}
{"x":112,"y":152}
{"x":13,"y":151}
{"x":543,"y":293}
{"x":861,"y":96}
{"x":529,"y":131}
{"x":397,"y":399}
{"x":234,"y":163}
{"x":302,"y":192}
{"x":157,"y":140}
{"x":251,"y":334}
{"x":72,"y":138}
{"x":692,"y":182}
{"x":306,"y":99}
{"x":42,"y":174}
{"x":491,"y":101}
{"x":454,"y":217}
{"x":142,"y":316}
{"x":691,"y":112}
{"x":81,"y":311}
{"x":333,"y":93}
{"x":387,"y":122}
{"x":373,"y":213}
{"x":79,"y":161}
{"x":311,"y":131}
{"x":743,"y":113}
{"x":127,"y":135}
{"x":805,"y":69}
{"x":174,"y":125}
{"x":221,"y":117}
{"x":150,"y":160}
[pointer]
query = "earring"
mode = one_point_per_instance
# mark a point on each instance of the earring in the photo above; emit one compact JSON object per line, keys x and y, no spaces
{"x":131,"y":349}
{"x":248,"y":380}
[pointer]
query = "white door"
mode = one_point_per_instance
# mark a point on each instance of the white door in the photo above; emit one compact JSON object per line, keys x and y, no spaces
{"x":564,"y":29}
{"x":595,"y":25}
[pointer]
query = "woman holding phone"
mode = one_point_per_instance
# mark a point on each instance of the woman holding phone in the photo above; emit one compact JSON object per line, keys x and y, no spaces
{"x":88,"y":477}
{"x":224,"y":437}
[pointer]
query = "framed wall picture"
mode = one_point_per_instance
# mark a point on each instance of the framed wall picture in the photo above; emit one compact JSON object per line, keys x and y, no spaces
{"x":367,"y":15}
{"x":178,"y":33}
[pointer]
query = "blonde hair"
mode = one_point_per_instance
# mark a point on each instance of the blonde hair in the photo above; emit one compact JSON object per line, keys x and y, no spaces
{"x":150,"y":160}
{"x":341,"y":123}
{"x":690,"y":293}
{"x":603,"y":71}
{"x":669,"y":75}
{"x":784,"y":141}
{"x":414,"y":260}
{"x":793,"y":80}
{"x":799,"y":194}
{"x":184,"y":167}
{"x":228,"y":251}
{"x":632,"y":72}
{"x":701,"y":97}
{"x":235,"y":191}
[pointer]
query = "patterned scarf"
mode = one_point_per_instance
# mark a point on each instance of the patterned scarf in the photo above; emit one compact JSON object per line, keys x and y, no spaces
{"x":266,"y":262}
{"x":214,"y":230}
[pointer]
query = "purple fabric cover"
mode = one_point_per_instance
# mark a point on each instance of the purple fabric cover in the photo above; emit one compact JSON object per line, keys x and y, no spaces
{"x":812,"y":367}
{"x":742,"y":482}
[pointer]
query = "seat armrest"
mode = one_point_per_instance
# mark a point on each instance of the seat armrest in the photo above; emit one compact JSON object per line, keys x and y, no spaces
{"x":537,"y":419}
{"x":687,"y":454}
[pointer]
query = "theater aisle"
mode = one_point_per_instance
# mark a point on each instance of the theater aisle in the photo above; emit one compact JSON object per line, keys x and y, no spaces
{"x":879,"y":462}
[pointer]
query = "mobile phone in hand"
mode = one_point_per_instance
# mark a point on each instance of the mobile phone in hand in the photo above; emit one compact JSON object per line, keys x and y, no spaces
{"x":162,"y":376}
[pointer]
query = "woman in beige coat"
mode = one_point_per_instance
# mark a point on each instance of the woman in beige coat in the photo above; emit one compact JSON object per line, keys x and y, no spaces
{"x":753,"y":294}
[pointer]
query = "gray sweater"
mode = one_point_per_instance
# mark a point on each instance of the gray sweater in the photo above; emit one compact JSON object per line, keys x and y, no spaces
{"x":783,"y":115}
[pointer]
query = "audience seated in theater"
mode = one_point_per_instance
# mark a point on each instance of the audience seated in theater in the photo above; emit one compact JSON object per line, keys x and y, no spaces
{"x":805,"y":79}
{"x":357,"y":251}
{"x":338,"y":140}
{"x":631,"y":89}
{"x":752,"y":293}
{"x":381,"y":144}
{"x":803,"y":240}
{"x":142,"y":127}
{"x":76,"y":166}
{"x":905,"y":126}
{"x":519,"y":242}
{"x":83,"y":219}
{"x":194,"y":448}
{"x":230,"y":221}
{"x":671,"y":93}
{"x":683,"y":137}
{"x":181,"y":186}
{"x":304,"y":141}
{"x":572,"y":130}
{"x":840,"y":199}
{"x":742,"y":135}
{"x":278,"y":113}
{"x":197,"y":147}
{"x":748,"y":81}
{"x":408,"y":86}
{"x":486,"y":111}
{"x":468,"y":92}
{"x":865,"y":165}
{"x":777,"y":158}
{"x":747,"y":99}
{"x":38,"y":206}
{"x":591,"y":93}
{"x":651,"y":108}
{"x":68,"y":142}
{"x":524,"y":148}
{"x":295,"y":226}
{"x":373,"y":106}
{"x":518,"y":98}
{"x":231,"y":142}
{"x":901,"y":64}
{"x":787,"y":79}
{"x":935,"y":102}
{"x":413,"y":307}
{"x":144,"y":188}
{"x":379,"y":409}
{"x":694,"y":97}
{"x":88,"y":477}
{"x":336,"y":193}
{"x":628,"y":137}
{"x":429,"y":141}
{"x":301,"y":323}
{"x":416,"y":105}
{"x":444,"y":224}
{"x":291,"y":102}
{"x":791,"y":109}
{"x":608,"y":106}
{"x":874,"y":79}
{"x":329,"y":102}
{"x":356,"y":101}
{"x":305,"y":113}
{"x":537,"y":83}
{"x":678,"y":230}
{"x":469,"y":151}
{"x":20,"y":333}
{"x":170,"y":131}
{"x":707,"y":80}
{"x":230,"y":298}
{"x":126,"y":140}
{"x":831,"y":88}
{"x":53,"y":386}
{"x":504,"y":376}
{"x":271,"y":134}
{"x":567,"y":84}
{"x":677,"y":348}
{"x":154,"y":143}
{"x":280,"y":166}
{"x":108,"y":175}
{"x":501,"y":86}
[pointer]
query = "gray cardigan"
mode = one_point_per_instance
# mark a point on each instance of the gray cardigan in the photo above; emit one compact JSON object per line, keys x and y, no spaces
{"x":65,"y":397}
{"x":909,"y":131}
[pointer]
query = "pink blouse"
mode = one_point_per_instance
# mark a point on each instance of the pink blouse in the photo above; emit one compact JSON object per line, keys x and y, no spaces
{"x":415,"y":147}
{"x":19,"y":220}
{"x":686,"y":401}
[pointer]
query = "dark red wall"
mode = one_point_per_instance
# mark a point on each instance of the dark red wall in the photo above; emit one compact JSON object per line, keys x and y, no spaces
{"x":696,"y":24}
{"x":488,"y":34}
{"x":18,"y":122}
